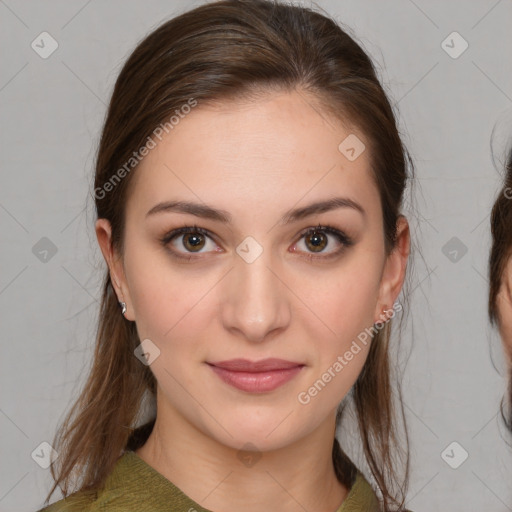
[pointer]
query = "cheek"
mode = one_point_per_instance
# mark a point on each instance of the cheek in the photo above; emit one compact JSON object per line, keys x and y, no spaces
{"x":177,"y":302}
{"x":505,"y":311}
{"x":344,"y":298}
{"x":169,"y":302}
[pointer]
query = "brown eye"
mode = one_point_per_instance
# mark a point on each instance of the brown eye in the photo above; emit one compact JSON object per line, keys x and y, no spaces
{"x":316,"y":241}
{"x":193,"y":241}
{"x":319,"y":238}
{"x":189,"y":240}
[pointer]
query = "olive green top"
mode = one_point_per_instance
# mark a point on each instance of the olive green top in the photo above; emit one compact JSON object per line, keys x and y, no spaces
{"x":135,"y":486}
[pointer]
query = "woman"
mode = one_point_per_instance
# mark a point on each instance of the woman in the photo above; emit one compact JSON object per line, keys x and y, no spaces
{"x":248,"y":189}
{"x":500,"y":277}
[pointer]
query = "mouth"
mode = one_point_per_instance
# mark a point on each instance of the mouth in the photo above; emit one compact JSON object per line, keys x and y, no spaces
{"x":256,"y":376}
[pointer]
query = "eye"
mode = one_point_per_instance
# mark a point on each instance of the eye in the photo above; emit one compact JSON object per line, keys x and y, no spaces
{"x":316,"y":240}
{"x":186,"y":241}
{"x":192,"y":239}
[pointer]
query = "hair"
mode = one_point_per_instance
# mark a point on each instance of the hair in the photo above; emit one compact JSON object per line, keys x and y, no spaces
{"x":219,"y":52}
{"x":501,"y":252}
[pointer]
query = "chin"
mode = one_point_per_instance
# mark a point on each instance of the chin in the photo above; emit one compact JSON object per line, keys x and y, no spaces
{"x":265,"y":432}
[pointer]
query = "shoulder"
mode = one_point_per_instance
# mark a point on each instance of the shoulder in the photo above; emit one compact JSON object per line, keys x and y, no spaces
{"x":132,"y":485}
{"x":362,"y":497}
{"x":95,"y":500}
{"x":76,"y":502}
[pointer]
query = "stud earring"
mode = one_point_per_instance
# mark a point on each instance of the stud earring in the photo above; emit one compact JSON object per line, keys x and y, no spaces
{"x":383,"y":316}
{"x":123,"y":307}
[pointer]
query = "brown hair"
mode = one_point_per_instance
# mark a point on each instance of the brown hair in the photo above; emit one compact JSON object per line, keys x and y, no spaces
{"x":501,"y":251}
{"x":217,"y":52}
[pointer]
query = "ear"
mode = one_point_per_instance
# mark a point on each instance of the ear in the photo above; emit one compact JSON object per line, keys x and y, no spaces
{"x":393,"y":274}
{"x":115,"y":265}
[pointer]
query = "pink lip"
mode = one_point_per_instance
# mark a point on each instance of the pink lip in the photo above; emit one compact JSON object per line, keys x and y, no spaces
{"x":256,"y":376}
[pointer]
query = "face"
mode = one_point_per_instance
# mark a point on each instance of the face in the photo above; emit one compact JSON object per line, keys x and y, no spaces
{"x":254,"y":280}
{"x":504,"y":306}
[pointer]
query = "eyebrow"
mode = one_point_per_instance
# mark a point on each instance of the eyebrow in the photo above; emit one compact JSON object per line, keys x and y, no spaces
{"x":208,"y":212}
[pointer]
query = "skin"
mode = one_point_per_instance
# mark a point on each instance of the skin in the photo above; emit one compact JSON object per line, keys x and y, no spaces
{"x":504,"y":307}
{"x":255,"y":160}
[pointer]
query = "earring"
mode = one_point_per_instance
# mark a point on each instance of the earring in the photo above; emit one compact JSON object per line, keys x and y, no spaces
{"x":123,"y":307}
{"x":383,"y":316}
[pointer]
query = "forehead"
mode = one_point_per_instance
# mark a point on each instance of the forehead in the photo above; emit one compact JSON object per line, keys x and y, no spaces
{"x":261,"y":153}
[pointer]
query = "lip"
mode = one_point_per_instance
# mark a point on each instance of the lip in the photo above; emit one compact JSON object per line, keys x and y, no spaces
{"x":256,"y":376}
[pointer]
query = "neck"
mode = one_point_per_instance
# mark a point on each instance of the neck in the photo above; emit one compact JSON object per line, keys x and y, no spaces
{"x":293,"y":478}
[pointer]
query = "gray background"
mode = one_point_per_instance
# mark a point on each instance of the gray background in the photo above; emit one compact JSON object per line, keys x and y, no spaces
{"x":52,"y":110}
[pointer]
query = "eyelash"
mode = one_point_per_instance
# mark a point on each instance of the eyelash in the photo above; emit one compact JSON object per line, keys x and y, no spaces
{"x":342,"y":238}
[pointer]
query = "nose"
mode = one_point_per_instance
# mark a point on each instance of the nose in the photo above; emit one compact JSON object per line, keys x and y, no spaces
{"x":256,"y":305}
